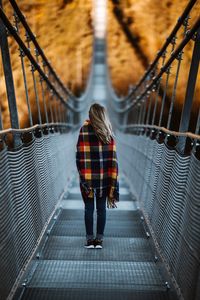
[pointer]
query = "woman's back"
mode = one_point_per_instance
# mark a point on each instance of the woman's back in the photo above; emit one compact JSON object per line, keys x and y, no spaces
{"x":97,"y":161}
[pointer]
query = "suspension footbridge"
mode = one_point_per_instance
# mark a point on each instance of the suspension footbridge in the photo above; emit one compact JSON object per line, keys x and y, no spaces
{"x":152,"y":240}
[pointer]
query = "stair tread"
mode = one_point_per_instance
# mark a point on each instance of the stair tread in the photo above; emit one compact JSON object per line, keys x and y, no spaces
{"x":70,"y":228}
{"x":115,"y":249}
{"x":93,"y":294}
{"x":96,"y":274}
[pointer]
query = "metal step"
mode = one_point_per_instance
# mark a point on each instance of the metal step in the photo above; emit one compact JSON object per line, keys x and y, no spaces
{"x":111,"y":214}
{"x":70,"y":228}
{"x":115,"y":249}
{"x":145,"y":276}
{"x":110,"y":223}
{"x":92,"y":294}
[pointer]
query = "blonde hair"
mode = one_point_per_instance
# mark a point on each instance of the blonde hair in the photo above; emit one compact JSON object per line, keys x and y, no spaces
{"x":100,"y":122}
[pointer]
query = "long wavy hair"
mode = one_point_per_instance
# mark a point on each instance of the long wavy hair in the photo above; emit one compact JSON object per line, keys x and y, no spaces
{"x":101,"y":123}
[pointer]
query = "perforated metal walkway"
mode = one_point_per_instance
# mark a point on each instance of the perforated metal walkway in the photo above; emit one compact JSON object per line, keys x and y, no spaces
{"x":124,"y":269}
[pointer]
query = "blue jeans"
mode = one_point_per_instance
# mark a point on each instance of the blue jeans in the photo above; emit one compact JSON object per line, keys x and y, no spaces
{"x":101,"y":216}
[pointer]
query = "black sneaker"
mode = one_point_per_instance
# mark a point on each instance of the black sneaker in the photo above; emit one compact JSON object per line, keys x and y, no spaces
{"x":98,"y":244}
{"x":89,"y":244}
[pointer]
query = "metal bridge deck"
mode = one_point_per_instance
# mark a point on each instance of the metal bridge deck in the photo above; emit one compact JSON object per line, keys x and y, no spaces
{"x":123,"y":269}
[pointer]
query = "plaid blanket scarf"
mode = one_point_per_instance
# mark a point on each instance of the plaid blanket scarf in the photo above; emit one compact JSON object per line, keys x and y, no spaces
{"x":97,"y":165}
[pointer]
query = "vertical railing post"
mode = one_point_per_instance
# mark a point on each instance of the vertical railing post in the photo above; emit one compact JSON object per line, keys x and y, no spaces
{"x":124,"y":120}
{"x":185,"y":117}
{"x":187,"y":107}
{"x":8,"y":75}
{"x":122,"y":117}
{"x":76,"y":114}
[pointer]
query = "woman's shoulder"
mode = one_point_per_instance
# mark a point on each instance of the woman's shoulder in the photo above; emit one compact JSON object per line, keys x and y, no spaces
{"x":86,"y":122}
{"x":87,"y":126}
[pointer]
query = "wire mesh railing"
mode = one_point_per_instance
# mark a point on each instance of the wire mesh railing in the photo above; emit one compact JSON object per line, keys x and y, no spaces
{"x":167,"y":188}
{"x":32,"y":180}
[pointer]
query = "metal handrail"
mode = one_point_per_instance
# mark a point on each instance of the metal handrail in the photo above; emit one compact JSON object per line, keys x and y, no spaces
{"x":162,"y":129}
{"x":29,"y":129}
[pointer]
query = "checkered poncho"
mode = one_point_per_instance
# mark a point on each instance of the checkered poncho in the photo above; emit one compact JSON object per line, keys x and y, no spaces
{"x":97,"y":165}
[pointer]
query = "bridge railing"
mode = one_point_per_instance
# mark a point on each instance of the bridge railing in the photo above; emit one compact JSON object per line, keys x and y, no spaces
{"x":38,"y":159}
{"x":160,"y":153}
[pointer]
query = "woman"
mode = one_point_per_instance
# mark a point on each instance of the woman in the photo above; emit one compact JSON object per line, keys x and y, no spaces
{"x":97,"y":165}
